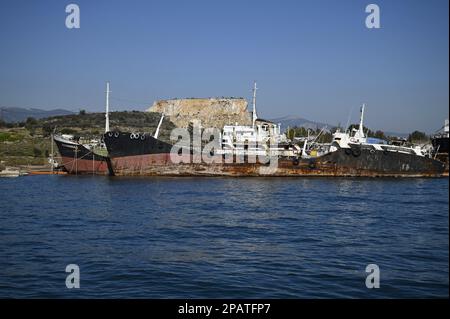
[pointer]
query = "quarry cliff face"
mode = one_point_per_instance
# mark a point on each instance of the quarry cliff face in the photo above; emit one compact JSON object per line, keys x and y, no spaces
{"x":211,"y":112}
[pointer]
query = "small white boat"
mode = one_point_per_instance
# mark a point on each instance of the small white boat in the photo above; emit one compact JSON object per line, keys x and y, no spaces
{"x":12,"y":172}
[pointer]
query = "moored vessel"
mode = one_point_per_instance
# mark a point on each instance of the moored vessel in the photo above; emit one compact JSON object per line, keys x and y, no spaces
{"x":84,"y":156}
{"x":261,"y":150}
{"x":81,"y":158}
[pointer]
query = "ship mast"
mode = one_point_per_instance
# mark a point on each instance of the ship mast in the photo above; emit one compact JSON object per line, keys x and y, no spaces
{"x":361,"y":123}
{"x":255,"y":117}
{"x":107,"y":108}
{"x":159,"y":126}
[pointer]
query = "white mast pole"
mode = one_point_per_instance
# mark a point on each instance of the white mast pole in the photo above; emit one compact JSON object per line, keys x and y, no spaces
{"x":361,"y":122}
{"x":52,"y":157}
{"x":306,"y":142}
{"x":107,"y":108}
{"x":254,"y":104}
{"x":159,"y":126}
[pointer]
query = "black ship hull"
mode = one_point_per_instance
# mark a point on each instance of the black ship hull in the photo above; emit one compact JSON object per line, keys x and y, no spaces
{"x":440,"y":144}
{"x":78,"y":159}
{"x":132,"y":154}
{"x":366,"y":161}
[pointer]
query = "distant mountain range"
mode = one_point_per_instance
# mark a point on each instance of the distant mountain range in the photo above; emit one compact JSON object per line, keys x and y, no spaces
{"x":18,"y":114}
{"x":292,"y":120}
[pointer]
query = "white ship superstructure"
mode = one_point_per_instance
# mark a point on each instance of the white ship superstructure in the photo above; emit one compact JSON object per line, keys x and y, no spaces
{"x":357,"y":138}
{"x":261,"y":138}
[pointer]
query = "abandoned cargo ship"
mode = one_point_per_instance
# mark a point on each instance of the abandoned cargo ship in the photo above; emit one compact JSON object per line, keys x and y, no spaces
{"x":81,"y":158}
{"x":84,"y":158}
{"x":134,"y":153}
{"x":348,"y":155}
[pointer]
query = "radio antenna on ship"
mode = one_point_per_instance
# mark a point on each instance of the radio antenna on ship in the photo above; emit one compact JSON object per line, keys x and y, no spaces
{"x":255,"y":117}
{"x":107,"y":108}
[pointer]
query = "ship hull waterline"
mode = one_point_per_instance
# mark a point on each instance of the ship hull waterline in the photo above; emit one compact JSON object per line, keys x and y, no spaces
{"x":141,"y":157}
{"x":149,"y":165}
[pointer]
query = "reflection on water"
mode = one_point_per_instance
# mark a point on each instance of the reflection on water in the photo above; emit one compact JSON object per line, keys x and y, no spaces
{"x":223,"y":237}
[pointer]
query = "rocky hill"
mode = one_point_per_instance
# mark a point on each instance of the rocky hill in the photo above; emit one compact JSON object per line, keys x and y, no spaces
{"x":211,"y":112}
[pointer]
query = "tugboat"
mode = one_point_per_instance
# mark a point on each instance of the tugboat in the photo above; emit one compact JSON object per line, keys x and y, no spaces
{"x":84,"y":157}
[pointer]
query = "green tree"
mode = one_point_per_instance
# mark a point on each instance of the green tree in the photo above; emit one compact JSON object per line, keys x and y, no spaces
{"x":68,"y":131}
{"x":379,"y":134}
{"x":30,"y":123}
{"x":417,"y":136}
{"x":47,"y":129}
{"x":296,"y":132}
{"x":37,"y":152}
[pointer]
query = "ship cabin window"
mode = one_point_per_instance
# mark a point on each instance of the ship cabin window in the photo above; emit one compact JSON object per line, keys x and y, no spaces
{"x":265,"y":127}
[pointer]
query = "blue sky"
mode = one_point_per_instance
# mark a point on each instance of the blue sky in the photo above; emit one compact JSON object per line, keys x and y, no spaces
{"x":314,"y":59}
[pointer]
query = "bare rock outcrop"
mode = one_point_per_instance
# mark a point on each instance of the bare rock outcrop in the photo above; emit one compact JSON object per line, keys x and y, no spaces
{"x":210,"y":112}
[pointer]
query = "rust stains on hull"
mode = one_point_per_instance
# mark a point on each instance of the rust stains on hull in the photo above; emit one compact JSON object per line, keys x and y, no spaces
{"x":336,"y":164}
{"x":250,"y":170}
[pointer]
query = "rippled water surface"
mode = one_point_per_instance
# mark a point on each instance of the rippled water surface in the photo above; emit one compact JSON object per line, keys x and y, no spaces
{"x":223,"y":237}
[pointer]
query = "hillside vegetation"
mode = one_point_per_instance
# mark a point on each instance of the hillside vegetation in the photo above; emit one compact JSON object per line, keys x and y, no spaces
{"x":28,"y":143}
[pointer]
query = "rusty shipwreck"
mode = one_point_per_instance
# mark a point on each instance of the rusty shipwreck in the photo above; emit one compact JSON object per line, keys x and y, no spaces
{"x":261,"y":149}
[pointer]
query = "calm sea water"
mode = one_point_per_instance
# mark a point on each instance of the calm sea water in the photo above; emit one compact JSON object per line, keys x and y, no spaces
{"x":223,"y":237}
